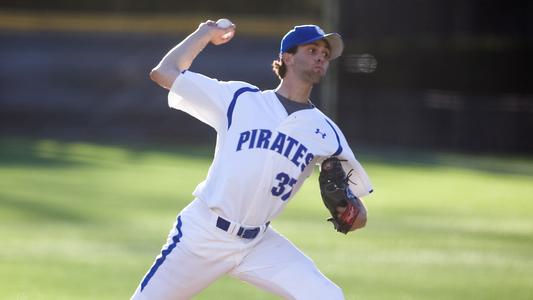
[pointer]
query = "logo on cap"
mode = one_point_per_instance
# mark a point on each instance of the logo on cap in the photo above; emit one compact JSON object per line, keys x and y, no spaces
{"x":319,"y":30}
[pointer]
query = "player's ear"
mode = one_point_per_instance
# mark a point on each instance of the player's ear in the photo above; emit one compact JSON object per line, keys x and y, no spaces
{"x":287,"y":58}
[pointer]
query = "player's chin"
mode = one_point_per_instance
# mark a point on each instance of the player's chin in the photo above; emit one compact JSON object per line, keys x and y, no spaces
{"x":316,"y":78}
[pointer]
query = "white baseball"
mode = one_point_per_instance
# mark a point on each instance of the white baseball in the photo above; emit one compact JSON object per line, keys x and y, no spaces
{"x":224,"y":23}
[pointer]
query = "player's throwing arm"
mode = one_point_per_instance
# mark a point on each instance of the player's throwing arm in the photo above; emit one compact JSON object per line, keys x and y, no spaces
{"x":181,"y":56}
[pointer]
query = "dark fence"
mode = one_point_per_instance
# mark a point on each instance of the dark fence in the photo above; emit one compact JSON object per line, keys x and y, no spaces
{"x":272,"y":7}
{"x":96,"y":85}
{"x":438,"y":74}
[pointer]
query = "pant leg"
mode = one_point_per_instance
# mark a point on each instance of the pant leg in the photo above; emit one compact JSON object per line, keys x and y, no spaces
{"x":189,"y":262}
{"x":278,"y":266}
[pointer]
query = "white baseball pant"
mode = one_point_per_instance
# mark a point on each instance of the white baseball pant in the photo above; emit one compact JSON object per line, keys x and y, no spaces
{"x":197,"y":253}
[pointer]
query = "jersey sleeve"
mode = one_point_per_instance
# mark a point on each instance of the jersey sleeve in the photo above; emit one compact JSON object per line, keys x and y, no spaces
{"x":360,"y":183}
{"x":204,"y":98}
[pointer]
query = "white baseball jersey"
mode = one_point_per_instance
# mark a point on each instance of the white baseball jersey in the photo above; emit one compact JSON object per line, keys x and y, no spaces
{"x":263,"y":155}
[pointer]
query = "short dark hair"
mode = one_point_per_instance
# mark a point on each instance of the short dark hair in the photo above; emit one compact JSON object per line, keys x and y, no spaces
{"x":278,"y":66}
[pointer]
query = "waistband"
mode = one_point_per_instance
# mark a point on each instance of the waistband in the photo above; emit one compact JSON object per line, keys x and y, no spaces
{"x":231,"y":227}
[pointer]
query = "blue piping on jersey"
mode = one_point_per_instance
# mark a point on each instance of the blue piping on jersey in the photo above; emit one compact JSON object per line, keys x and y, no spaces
{"x":163,"y":256}
{"x":339,"y":150}
{"x":234,"y":101}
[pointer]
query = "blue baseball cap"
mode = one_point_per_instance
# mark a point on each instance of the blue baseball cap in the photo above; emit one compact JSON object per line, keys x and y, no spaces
{"x":304,"y":34}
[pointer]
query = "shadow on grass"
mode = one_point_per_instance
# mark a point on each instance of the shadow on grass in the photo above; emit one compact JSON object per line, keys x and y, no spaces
{"x":498,"y":164}
{"x":42,"y":153}
{"x":447,"y":228}
{"x":25,"y":153}
{"x":41,"y":210}
{"x":31,"y":152}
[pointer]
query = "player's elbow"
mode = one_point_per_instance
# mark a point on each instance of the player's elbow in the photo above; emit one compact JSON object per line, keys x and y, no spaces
{"x":154,"y":74}
{"x":158,"y":77}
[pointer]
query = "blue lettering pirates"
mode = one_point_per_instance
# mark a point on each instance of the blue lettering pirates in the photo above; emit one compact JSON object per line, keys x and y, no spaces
{"x":285,"y":145}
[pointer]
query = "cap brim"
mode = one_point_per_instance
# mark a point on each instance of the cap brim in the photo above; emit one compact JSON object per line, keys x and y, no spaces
{"x":336,"y":45}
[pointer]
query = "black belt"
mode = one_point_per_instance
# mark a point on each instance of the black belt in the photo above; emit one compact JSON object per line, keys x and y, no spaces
{"x":245,"y":233}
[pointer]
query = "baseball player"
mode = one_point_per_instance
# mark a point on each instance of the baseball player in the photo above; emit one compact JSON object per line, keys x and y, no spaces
{"x":268,"y":143}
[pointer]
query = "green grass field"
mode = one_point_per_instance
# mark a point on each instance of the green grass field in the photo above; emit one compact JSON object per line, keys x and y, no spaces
{"x":85,"y":221}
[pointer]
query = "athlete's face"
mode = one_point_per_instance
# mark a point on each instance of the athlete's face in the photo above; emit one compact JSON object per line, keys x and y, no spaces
{"x":311,"y":61}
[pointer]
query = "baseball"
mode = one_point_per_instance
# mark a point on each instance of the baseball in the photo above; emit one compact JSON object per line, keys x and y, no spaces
{"x":224,"y":23}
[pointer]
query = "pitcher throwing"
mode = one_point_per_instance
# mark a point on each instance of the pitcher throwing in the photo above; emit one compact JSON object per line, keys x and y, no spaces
{"x":268,"y":143}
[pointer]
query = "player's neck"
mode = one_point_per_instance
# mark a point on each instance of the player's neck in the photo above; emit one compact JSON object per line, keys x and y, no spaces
{"x":294,"y":91}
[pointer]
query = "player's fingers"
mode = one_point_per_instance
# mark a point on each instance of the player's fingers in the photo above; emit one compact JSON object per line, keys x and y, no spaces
{"x":224,"y":36}
{"x":229,"y":33}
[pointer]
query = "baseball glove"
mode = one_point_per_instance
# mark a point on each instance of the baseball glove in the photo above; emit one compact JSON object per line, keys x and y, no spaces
{"x":336,"y":194}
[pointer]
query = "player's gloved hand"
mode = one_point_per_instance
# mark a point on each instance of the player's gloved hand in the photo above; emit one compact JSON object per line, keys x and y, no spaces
{"x":347,"y":211}
{"x":360,"y":220}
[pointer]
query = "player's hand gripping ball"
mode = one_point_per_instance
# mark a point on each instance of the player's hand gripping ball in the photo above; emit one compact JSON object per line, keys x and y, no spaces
{"x":224,"y":31}
{"x":342,"y":204}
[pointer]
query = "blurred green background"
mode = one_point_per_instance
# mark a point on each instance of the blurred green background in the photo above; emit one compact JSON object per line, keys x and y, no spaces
{"x":94,"y":166}
{"x":86,"y":220}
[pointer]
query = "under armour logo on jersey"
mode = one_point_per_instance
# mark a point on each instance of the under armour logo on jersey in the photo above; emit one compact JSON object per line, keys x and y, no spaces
{"x":321,"y":133}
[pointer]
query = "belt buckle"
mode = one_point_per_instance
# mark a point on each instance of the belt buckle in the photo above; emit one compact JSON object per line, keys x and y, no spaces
{"x":248,"y":233}
{"x":235,"y":229}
